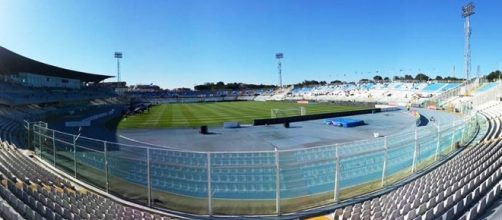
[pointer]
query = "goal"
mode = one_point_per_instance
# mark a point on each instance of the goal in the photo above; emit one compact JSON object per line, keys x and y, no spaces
{"x":279,"y":113}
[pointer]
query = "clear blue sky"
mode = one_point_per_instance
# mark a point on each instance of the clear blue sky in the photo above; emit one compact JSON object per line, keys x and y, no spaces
{"x":186,"y":42}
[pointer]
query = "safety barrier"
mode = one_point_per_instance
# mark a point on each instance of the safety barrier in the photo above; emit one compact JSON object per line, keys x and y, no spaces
{"x":247,"y":183}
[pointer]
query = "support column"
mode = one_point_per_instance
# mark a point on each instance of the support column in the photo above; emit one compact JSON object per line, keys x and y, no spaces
{"x":453,"y":135}
{"x":415,"y":152}
{"x":277,"y":183}
{"x":462,"y":142}
{"x":40,"y":139}
{"x":75,"y":155}
{"x":105,"y":150}
{"x":54,"y":147}
{"x":438,"y":143}
{"x":209,"y":190}
{"x":384,"y":169}
{"x":148,"y":179}
{"x":29,"y":136}
{"x":337,"y":175}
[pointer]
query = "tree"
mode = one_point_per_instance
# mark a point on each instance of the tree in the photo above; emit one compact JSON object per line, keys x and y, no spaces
{"x":377,"y":78}
{"x":233,"y":86}
{"x":201,"y":87}
{"x":439,"y":78}
{"x":408,"y":77}
{"x":386,"y":79}
{"x":220,"y":85}
{"x":182,"y":89}
{"x":308,"y":83}
{"x":336,"y":82}
{"x":494,"y":76}
{"x":449,"y":78}
{"x":397,"y":78}
{"x":421,"y":77}
{"x":204,"y":87}
{"x":230,"y":86}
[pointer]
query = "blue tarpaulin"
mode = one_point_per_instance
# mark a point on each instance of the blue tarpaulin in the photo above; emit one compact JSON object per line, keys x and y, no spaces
{"x":344,"y":122}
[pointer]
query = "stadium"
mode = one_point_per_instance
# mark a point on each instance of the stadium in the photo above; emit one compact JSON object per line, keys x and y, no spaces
{"x":75,"y":145}
{"x":294,"y":152}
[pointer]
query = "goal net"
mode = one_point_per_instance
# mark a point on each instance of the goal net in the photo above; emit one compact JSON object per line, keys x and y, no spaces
{"x":280,"y":113}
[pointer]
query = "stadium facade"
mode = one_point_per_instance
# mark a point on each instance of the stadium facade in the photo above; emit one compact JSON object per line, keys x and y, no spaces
{"x":27,"y":72}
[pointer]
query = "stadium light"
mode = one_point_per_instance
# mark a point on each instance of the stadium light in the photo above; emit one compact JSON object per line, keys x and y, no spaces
{"x":118,"y":56}
{"x":279,"y":57}
{"x":467,"y":11}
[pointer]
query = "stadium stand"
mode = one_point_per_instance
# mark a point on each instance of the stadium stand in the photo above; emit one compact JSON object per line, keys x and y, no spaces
{"x":486,"y":87}
{"x":31,"y":191}
{"x":461,"y":188}
{"x":19,"y":95}
{"x":28,"y":190}
{"x":394,"y":93}
{"x":388,"y":92}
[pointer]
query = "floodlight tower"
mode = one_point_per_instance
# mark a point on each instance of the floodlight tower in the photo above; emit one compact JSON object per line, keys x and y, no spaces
{"x":467,"y":11}
{"x":118,"y":56}
{"x":279,"y":57}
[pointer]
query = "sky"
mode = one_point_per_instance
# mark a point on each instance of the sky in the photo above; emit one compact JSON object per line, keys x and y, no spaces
{"x":181,"y":43}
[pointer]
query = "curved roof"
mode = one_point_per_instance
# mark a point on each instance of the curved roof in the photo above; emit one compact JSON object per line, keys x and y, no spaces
{"x":11,"y":62}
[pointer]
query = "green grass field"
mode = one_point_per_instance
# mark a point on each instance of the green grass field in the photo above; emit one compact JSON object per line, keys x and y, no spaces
{"x":214,"y":114}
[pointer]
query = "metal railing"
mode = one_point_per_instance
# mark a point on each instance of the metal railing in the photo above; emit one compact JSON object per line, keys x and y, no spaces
{"x":247,"y":183}
{"x":464,"y":87}
{"x":494,"y":94}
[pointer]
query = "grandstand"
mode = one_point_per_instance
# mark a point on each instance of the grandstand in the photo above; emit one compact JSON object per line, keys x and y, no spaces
{"x":398,"y":93}
{"x":461,"y":188}
{"x":34,"y":91}
{"x":395,"y":92}
{"x":446,"y":168}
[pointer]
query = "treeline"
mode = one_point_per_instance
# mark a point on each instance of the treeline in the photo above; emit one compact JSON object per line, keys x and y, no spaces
{"x":494,"y":76}
{"x":311,"y":83}
{"x":424,"y":77}
{"x":210,"y":86}
{"x":421,"y":77}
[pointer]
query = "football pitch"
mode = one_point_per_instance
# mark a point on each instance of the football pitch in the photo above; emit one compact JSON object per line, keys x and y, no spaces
{"x":192,"y":115}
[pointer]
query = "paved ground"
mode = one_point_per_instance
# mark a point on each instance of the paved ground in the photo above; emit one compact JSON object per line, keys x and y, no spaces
{"x":300,"y":135}
{"x":254,"y":138}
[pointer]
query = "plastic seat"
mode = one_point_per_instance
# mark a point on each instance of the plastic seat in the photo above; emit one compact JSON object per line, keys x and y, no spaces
{"x":429,"y":215}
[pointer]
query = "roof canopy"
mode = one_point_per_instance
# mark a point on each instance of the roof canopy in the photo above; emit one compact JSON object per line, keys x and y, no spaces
{"x":11,"y":62}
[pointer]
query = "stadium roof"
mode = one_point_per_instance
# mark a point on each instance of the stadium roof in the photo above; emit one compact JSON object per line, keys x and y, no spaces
{"x":11,"y":62}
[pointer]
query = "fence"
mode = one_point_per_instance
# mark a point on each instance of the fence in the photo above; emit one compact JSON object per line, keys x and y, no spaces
{"x":458,"y":91}
{"x":247,"y":183}
{"x":494,"y":94}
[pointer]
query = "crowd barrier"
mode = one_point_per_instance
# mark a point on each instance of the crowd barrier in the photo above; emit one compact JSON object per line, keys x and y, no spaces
{"x":269,"y":121}
{"x":247,"y":183}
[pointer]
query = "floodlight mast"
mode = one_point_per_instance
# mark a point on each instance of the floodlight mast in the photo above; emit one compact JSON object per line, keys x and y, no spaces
{"x":467,"y":11}
{"x":279,"y":57}
{"x":118,"y":56}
